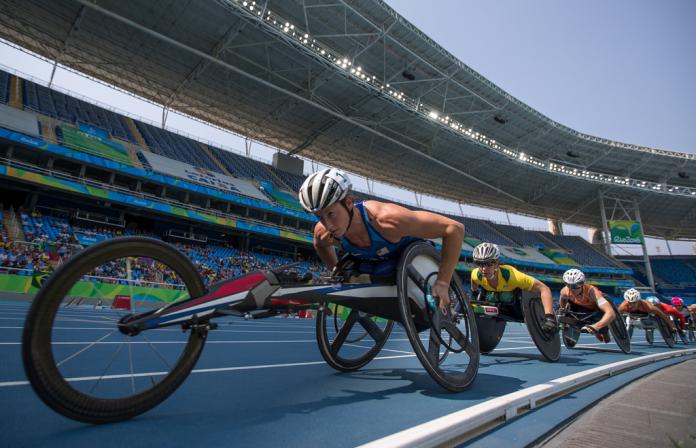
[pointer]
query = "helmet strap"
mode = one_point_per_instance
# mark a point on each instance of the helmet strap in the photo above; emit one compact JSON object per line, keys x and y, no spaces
{"x":350,"y":213}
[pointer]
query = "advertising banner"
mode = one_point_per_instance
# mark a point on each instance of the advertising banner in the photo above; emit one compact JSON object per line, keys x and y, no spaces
{"x":94,"y":142}
{"x":625,"y":232}
{"x":202,"y":176}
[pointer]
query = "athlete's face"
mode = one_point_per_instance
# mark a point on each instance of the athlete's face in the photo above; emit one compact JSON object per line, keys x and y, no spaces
{"x":489,"y":269}
{"x":335,"y":218}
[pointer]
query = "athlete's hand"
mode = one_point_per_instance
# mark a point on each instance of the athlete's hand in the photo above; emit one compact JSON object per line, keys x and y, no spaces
{"x":441,"y":290}
{"x":326,"y":239}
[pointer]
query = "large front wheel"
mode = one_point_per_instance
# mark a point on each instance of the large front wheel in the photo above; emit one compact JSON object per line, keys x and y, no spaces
{"x":75,"y":357}
{"x":433,"y":334}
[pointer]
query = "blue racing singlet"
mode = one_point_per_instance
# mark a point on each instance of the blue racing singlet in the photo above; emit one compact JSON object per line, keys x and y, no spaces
{"x":379,"y":249}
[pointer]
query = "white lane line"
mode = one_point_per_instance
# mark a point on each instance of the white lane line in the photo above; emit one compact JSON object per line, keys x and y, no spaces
{"x":171,"y":342}
{"x":178,"y":330}
{"x":383,"y":349}
{"x":212,"y":370}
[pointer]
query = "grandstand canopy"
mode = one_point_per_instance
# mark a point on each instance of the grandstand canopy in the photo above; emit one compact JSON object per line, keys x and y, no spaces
{"x":286,"y":73}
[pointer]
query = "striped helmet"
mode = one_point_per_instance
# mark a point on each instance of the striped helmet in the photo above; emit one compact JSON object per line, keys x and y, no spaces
{"x":486,"y":252}
{"x":573,"y":277}
{"x":323,"y":188}
{"x":632,"y":295}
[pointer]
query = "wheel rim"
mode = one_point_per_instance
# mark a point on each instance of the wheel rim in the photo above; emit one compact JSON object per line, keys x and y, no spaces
{"x":352,"y":339}
{"x":454,"y":371}
{"x":72,"y":334}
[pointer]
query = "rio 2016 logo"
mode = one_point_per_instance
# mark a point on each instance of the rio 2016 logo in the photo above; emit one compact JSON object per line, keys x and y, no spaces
{"x":625,"y":232}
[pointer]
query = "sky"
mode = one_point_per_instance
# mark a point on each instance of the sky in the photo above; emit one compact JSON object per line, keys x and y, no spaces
{"x":619,"y":69}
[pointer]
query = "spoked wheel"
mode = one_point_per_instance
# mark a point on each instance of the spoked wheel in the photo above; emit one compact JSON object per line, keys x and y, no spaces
{"x":665,"y":332}
{"x":75,"y":357}
{"x":650,"y":335}
{"x":682,"y":334}
{"x":490,"y":332}
{"x":619,"y":332}
{"x":446,"y":344}
{"x":692,"y":336}
{"x":548,"y":342}
{"x":344,"y":345}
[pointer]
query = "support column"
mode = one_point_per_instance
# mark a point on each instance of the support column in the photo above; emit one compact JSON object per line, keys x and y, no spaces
{"x":555,"y":226}
{"x":646,"y":257}
{"x":605,"y":226}
{"x":595,"y":235}
{"x":669,"y":249}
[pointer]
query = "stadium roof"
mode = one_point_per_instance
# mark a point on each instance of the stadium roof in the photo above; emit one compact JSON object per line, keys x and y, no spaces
{"x":353,"y":84}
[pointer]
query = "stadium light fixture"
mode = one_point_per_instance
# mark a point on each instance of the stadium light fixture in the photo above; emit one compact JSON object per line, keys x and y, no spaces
{"x":360,"y":75}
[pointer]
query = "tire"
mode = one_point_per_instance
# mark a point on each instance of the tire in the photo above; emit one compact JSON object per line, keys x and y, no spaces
{"x":621,"y":336}
{"x":37,"y":352}
{"x":569,"y":342}
{"x":548,"y":343}
{"x":650,"y":336}
{"x":667,"y":335}
{"x":419,"y":262}
{"x":490,"y":332}
{"x":330,"y":349}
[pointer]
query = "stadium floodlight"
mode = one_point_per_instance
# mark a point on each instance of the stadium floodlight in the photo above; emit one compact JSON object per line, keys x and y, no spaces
{"x":286,"y":30}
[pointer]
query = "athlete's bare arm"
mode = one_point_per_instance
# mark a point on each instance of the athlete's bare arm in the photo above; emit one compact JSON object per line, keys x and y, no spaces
{"x":563,"y":299}
{"x":658,"y":312}
{"x":603,"y":305}
{"x":546,"y":297}
{"x":395,"y":222}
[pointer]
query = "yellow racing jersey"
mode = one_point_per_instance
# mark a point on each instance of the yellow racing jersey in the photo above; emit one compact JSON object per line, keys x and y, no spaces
{"x":509,"y":279}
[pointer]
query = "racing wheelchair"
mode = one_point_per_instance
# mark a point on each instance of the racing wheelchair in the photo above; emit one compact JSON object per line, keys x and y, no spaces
{"x":446,"y":343}
{"x":682,"y":333}
{"x":574,"y":318}
{"x":493,"y":310}
{"x":649,"y":323}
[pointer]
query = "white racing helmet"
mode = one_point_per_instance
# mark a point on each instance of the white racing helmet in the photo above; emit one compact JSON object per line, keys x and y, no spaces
{"x":632,"y":295}
{"x":486,"y":252}
{"x":323,"y":188}
{"x":653,"y":300}
{"x":573,"y":277}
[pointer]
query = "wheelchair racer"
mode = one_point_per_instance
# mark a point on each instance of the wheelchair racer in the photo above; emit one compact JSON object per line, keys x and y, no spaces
{"x":491,"y":276}
{"x":375,"y":231}
{"x":633,"y":304}
{"x":670,"y":310}
{"x":678,"y":305}
{"x":578,"y":296}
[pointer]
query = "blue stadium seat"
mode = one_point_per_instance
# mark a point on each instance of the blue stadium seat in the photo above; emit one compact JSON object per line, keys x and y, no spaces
{"x":481,"y":230}
{"x":175,"y":146}
{"x":71,"y":110}
{"x":520,"y":236}
{"x":581,"y":251}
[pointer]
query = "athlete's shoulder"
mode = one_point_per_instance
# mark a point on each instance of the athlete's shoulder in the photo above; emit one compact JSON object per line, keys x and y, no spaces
{"x":476,"y":275}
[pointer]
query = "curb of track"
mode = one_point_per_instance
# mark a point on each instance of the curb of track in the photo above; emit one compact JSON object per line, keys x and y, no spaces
{"x":461,"y":426}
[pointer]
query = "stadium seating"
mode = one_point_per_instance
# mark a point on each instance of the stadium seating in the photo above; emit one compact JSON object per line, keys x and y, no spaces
{"x":168,"y":144}
{"x":481,"y":230}
{"x":45,"y":228}
{"x":244,"y":167}
{"x":580,"y":250}
{"x":71,"y":110}
{"x":520,"y":236}
{"x":175,"y":146}
{"x":4,"y":87}
{"x":673,"y":271}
